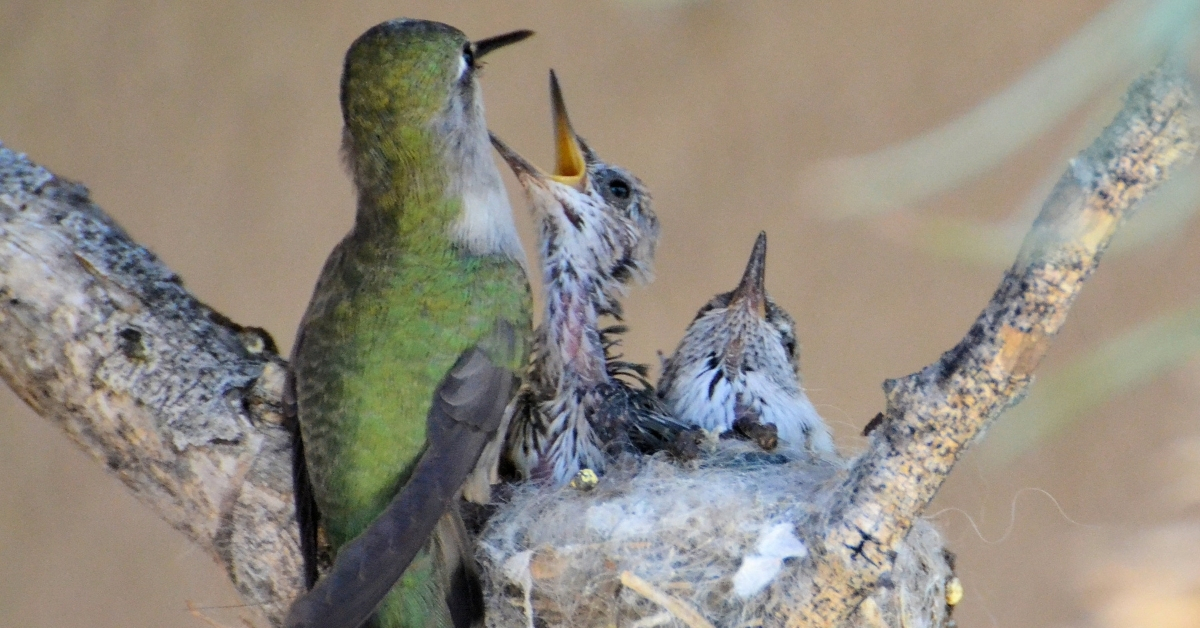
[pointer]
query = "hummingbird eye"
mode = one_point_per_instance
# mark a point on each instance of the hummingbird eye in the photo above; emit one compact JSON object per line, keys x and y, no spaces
{"x":468,"y":57}
{"x":619,"y":188}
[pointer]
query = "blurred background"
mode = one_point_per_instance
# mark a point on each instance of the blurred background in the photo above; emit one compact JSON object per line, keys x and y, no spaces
{"x":894,"y":151}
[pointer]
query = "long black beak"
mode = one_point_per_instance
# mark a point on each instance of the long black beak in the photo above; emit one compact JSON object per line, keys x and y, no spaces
{"x":484,"y":46}
{"x":751,"y":292}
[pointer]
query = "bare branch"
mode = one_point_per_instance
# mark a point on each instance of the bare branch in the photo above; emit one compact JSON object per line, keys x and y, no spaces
{"x":177,"y":401}
{"x":933,"y":415}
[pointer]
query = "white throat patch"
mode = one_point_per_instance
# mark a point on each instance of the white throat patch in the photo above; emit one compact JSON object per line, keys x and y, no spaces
{"x":485,"y":226}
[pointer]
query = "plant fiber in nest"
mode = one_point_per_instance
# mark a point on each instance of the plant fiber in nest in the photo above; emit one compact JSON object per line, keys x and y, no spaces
{"x":722,"y":536}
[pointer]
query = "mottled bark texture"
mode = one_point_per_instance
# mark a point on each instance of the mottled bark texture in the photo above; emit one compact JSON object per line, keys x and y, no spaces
{"x":177,"y":401}
{"x":184,"y":406}
{"x":934,"y":414}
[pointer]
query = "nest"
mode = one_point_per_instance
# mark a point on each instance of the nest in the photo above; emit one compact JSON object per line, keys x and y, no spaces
{"x":716,"y":542}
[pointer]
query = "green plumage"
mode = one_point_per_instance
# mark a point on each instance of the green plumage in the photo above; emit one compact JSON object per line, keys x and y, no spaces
{"x":405,"y":293}
{"x":387,"y":321}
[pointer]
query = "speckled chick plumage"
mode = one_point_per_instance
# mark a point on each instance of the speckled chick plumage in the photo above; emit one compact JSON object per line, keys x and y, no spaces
{"x":739,"y":357}
{"x":579,"y":404}
{"x":431,"y":268}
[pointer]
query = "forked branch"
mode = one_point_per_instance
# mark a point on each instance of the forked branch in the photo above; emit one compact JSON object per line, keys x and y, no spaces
{"x":934,"y":414}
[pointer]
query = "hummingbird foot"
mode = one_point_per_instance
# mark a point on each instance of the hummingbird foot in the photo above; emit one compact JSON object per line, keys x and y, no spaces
{"x":688,"y":444}
{"x":765,"y":435}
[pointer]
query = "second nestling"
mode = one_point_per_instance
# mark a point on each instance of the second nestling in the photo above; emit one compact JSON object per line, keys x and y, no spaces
{"x":737,"y":369}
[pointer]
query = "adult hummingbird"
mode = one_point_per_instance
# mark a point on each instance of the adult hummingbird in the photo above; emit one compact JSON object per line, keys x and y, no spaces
{"x":420,"y":319}
{"x":579,"y":404}
{"x":738,"y":365}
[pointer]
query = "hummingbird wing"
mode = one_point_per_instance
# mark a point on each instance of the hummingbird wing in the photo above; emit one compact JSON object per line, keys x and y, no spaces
{"x":307,"y":516}
{"x":632,"y":407}
{"x":641,"y":419}
{"x":468,"y":406}
{"x":631,"y":403}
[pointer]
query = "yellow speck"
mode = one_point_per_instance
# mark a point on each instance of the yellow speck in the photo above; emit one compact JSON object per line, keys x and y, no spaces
{"x":954,"y":591}
{"x":871,"y":615}
{"x":585,"y":480}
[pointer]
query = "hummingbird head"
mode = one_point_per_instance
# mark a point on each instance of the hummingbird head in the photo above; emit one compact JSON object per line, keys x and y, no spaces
{"x":739,"y":355}
{"x":414,"y":127}
{"x":758,"y":334}
{"x":594,"y":217}
{"x":412,"y":73}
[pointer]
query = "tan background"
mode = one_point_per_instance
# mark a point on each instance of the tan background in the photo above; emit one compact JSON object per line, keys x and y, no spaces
{"x":210,"y":130}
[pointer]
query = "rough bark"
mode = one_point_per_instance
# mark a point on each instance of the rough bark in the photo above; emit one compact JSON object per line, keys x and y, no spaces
{"x":184,"y":405}
{"x":933,"y":415}
{"x":181,"y":404}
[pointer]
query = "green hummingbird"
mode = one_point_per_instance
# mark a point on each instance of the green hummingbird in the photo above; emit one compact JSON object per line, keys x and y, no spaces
{"x":579,"y":404}
{"x":419,"y":320}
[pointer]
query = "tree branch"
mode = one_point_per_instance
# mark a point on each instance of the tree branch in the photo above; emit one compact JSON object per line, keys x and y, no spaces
{"x":933,"y":415}
{"x":176,"y":400}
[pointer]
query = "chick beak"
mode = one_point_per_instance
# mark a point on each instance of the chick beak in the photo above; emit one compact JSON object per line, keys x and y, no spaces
{"x":569,"y":165}
{"x":529,"y":175}
{"x":751,"y":292}
{"x":520,"y":167}
{"x":484,"y":46}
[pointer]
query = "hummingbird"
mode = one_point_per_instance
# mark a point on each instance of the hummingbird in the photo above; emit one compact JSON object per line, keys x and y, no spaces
{"x":418,"y":325}
{"x":737,"y":368}
{"x":580,"y":404}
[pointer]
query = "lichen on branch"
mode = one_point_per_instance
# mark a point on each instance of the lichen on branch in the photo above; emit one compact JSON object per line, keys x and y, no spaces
{"x":178,"y":402}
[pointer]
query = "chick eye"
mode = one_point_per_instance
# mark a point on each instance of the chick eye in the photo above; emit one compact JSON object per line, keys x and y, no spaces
{"x":619,"y":188}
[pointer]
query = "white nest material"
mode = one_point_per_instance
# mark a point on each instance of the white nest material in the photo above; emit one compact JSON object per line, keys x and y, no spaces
{"x":717,"y":542}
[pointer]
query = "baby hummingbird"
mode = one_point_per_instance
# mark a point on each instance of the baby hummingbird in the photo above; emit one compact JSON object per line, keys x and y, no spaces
{"x":579,"y":404}
{"x":738,"y":364}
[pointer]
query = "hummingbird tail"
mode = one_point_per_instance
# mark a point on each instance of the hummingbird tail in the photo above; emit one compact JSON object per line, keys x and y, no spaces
{"x":464,"y":590}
